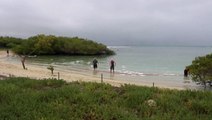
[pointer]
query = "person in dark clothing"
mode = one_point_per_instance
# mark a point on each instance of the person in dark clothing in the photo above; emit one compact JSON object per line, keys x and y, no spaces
{"x":112,"y":65}
{"x":95,"y":62}
{"x":8,"y":52}
{"x":186,"y":72}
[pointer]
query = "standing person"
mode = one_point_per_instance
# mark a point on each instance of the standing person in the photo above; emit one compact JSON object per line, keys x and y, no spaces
{"x":8,"y":52}
{"x":95,"y":62}
{"x":112,"y":65}
{"x":186,"y":72}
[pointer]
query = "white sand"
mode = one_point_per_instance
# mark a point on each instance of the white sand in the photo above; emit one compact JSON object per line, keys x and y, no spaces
{"x":15,"y":69}
{"x":38,"y":72}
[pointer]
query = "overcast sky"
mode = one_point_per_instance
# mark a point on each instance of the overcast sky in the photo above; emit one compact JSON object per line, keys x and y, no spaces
{"x":118,"y":22}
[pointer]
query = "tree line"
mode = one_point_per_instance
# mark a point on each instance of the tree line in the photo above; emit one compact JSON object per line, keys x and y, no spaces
{"x":53,"y":45}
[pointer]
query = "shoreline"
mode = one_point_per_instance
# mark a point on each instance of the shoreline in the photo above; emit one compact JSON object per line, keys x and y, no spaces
{"x":9,"y":68}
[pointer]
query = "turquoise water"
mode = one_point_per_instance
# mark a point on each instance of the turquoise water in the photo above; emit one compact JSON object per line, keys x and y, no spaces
{"x":157,"y":60}
{"x":151,"y":60}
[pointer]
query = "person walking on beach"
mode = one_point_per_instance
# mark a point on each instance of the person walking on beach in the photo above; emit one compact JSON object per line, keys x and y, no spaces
{"x":112,"y":65}
{"x":95,"y":62}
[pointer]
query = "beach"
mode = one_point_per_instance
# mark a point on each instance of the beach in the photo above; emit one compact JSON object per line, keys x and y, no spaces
{"x":9,"y":68}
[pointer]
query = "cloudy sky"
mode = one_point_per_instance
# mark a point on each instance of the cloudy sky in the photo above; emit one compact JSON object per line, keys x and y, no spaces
{"x":113,"y":22}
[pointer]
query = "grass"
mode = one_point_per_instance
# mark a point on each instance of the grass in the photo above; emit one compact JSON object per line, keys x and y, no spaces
{"x":24,"y":98}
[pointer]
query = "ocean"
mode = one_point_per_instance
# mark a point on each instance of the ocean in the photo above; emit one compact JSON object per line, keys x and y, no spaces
{"x":158,"y":64}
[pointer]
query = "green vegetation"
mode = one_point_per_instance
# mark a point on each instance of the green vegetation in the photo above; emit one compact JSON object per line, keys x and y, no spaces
{"x":201,"y":69}
{"x":24,"y":98}
{"x":52,"y":45}
{"x":9,"y":42}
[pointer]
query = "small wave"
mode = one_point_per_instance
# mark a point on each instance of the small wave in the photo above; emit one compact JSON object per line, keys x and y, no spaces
{"x":130,"y":73}
{"x":78,"y":61}
{"x":169,"y":74}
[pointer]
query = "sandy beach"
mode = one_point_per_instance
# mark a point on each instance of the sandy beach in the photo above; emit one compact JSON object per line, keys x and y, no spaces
{"x":12,"y":69}
{"x":9,"y":68}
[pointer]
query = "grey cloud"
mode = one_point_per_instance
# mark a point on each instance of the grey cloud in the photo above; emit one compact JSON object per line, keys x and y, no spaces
{"x":113,"y":21}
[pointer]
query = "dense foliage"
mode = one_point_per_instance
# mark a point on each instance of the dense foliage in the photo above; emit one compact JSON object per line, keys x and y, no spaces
{"x":52,"y":45}
{"x":201,"y":69}
{"x":23,"y":98}
{"x":9,"y":42}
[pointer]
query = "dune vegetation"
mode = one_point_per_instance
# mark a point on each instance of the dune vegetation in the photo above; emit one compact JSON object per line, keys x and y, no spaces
{"x":50,"y":99}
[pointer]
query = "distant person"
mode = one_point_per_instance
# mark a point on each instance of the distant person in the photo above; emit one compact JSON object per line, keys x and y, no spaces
{"x":8,"y":52}
{"x":112,"y":65}
{"x":95,"y":62}
{"x":186,"y":72}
